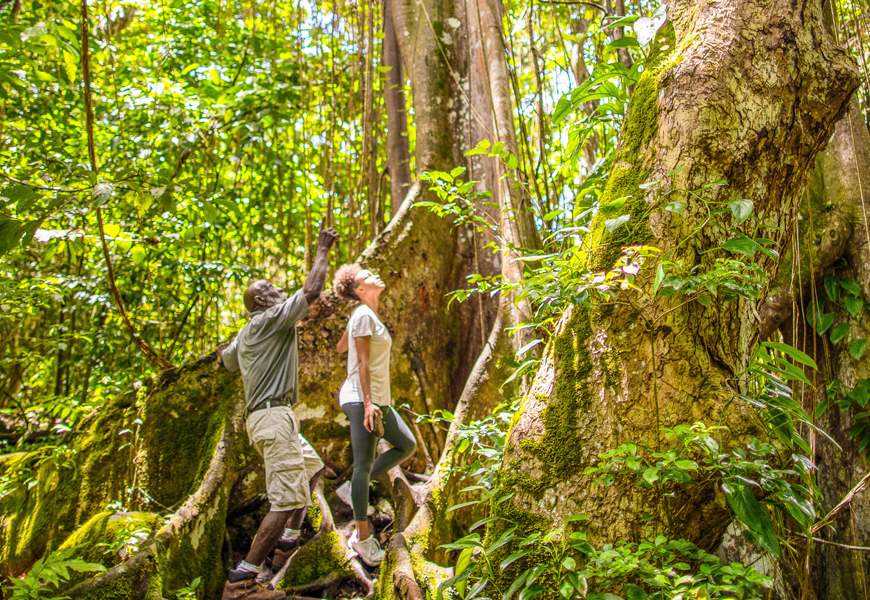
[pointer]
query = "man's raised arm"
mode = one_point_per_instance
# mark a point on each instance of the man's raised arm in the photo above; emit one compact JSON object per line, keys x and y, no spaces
{"x":316,"y":278}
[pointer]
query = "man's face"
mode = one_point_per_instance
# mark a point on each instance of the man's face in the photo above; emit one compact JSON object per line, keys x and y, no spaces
{"x":262,"y":295}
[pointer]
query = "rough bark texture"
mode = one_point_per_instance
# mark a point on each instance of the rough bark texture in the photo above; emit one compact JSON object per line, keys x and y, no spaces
{"x":618,"y":371}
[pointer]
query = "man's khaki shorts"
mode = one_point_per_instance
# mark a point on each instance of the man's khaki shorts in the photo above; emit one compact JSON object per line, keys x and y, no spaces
{"x":290,"y":459}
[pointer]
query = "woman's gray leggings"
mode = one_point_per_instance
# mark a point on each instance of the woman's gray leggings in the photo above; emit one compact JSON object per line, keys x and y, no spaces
{"x":365,"y":444}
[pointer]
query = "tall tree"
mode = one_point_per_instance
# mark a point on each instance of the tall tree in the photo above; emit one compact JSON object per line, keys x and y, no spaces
{"x":621,"y":369}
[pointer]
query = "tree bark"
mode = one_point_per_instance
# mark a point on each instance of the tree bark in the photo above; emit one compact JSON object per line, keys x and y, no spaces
{"x":831,"y":239}
{"x":619,"y":371}
{"x":398,"y":147}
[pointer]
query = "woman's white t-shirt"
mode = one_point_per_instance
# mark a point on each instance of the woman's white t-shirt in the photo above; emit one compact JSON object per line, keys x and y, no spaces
{"x":363,"y":321}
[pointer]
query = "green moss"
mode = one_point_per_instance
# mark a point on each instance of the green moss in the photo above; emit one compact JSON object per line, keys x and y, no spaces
{"x":180,"y":435}
{"x":557,"y":448}
{"x":315,"y":516}
{"x":428,"y":576}
{"x":316,"y":430}
{"x":317,"y":559}
{"x":104,"y":535}
{"x":621,"y":195}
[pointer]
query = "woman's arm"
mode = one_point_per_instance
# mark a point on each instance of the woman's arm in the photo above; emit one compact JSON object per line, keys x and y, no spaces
{"x":363,"y":351}
{"x":342,"y":344}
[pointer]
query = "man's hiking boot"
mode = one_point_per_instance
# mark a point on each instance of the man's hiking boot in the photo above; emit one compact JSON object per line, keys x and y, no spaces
{"x":369,"y":551}
{"x":283,"y":552}
{"x":242,"y":585}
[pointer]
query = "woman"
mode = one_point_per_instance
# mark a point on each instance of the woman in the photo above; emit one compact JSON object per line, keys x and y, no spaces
{"x":365,"y":397}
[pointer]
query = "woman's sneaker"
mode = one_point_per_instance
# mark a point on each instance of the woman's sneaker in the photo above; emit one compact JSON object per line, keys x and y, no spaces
{"x":369,"y":551}
{"x":343,"y":493}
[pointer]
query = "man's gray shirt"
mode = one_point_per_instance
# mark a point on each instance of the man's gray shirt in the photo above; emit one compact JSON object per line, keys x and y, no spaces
{"x":267,"y":353}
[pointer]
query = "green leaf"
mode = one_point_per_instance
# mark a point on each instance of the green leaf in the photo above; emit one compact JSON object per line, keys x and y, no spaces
{"x":612,"y":224}
{"x":850,"y":285}
{"x":792,"y":352}
{"x":754,"y":516}
{"x":634,"y":592}
{"x":839,"y":332}
{"x":10,"y":232}
{"x":825,"y":322}
{"x":138,"y":254}
{"x":552,"y":215}
{"x":741,"y":209}
{"x":660,"y":276}
{"x":623,"y":42}
{"x":675,"y":206}
{"x":832,"y":287}
{"x":854,"y":304}
{"x":602,"y":596}
{"x":651,"y":475}
{"x":462,"y":563}
{"x":741,"y":245}
{"x":512,"y":162}
{"x":70,"y":62}
{"x":858,"y":348}
{"x":515,"y":556}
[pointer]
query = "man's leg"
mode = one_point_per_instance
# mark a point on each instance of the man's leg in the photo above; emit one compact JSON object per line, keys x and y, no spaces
{"x":268,"y":534}
{"x":290,"y":539}
{"x":274,"y":434}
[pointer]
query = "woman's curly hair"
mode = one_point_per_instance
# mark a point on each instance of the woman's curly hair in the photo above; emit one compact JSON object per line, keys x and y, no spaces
{"x":344,"y":282}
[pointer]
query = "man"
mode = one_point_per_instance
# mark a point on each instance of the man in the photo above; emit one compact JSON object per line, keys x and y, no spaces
{"x":266,"y":352}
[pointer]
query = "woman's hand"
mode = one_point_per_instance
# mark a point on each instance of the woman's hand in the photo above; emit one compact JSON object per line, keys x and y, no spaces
{"x":369,"y":420}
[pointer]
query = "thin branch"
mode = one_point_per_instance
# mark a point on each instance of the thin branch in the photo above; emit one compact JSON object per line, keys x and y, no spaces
{"x":830,"y":543}
{"x":46,"y":188}
{"x":153,"y":357}
{"x":846,"y":500}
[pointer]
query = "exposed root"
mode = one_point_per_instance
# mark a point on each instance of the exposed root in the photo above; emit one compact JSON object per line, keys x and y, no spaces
{"x":327,"y":527}
{"x":319,"y":584}
{"x":182,"y":522}
{"x":403,"y":572}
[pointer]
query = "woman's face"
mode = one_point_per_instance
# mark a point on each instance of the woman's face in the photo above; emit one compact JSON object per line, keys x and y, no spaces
{"x":367,"y":282}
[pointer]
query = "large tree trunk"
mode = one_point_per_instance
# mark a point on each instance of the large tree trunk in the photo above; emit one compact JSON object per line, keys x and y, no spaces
{"x":833,"y":241}
{"x":721,"y":100}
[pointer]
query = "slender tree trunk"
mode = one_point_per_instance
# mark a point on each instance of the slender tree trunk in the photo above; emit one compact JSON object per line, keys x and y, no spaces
{"x":398,"y":153}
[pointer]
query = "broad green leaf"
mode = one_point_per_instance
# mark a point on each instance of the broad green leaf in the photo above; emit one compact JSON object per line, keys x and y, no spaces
{"x":858,"y":348}
{"x":832,"y":287}
{"x":850,"y":285}
{"x":612,"y":224}
{"x":839,"y":332}
{"x":623,"y":42}
{"x":515,"y":556}
{"x":634,"y":592}
{"x":741,"y":245}
{"x":651,"y":475}
{"x":792,"y":353}
{"x":462,"y":563}
{"x":741,"y":209}
{"x":854,"y":304}
{"x":111,"y":230}
{"x":70,"y":63}
{"x":754,"y":516}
